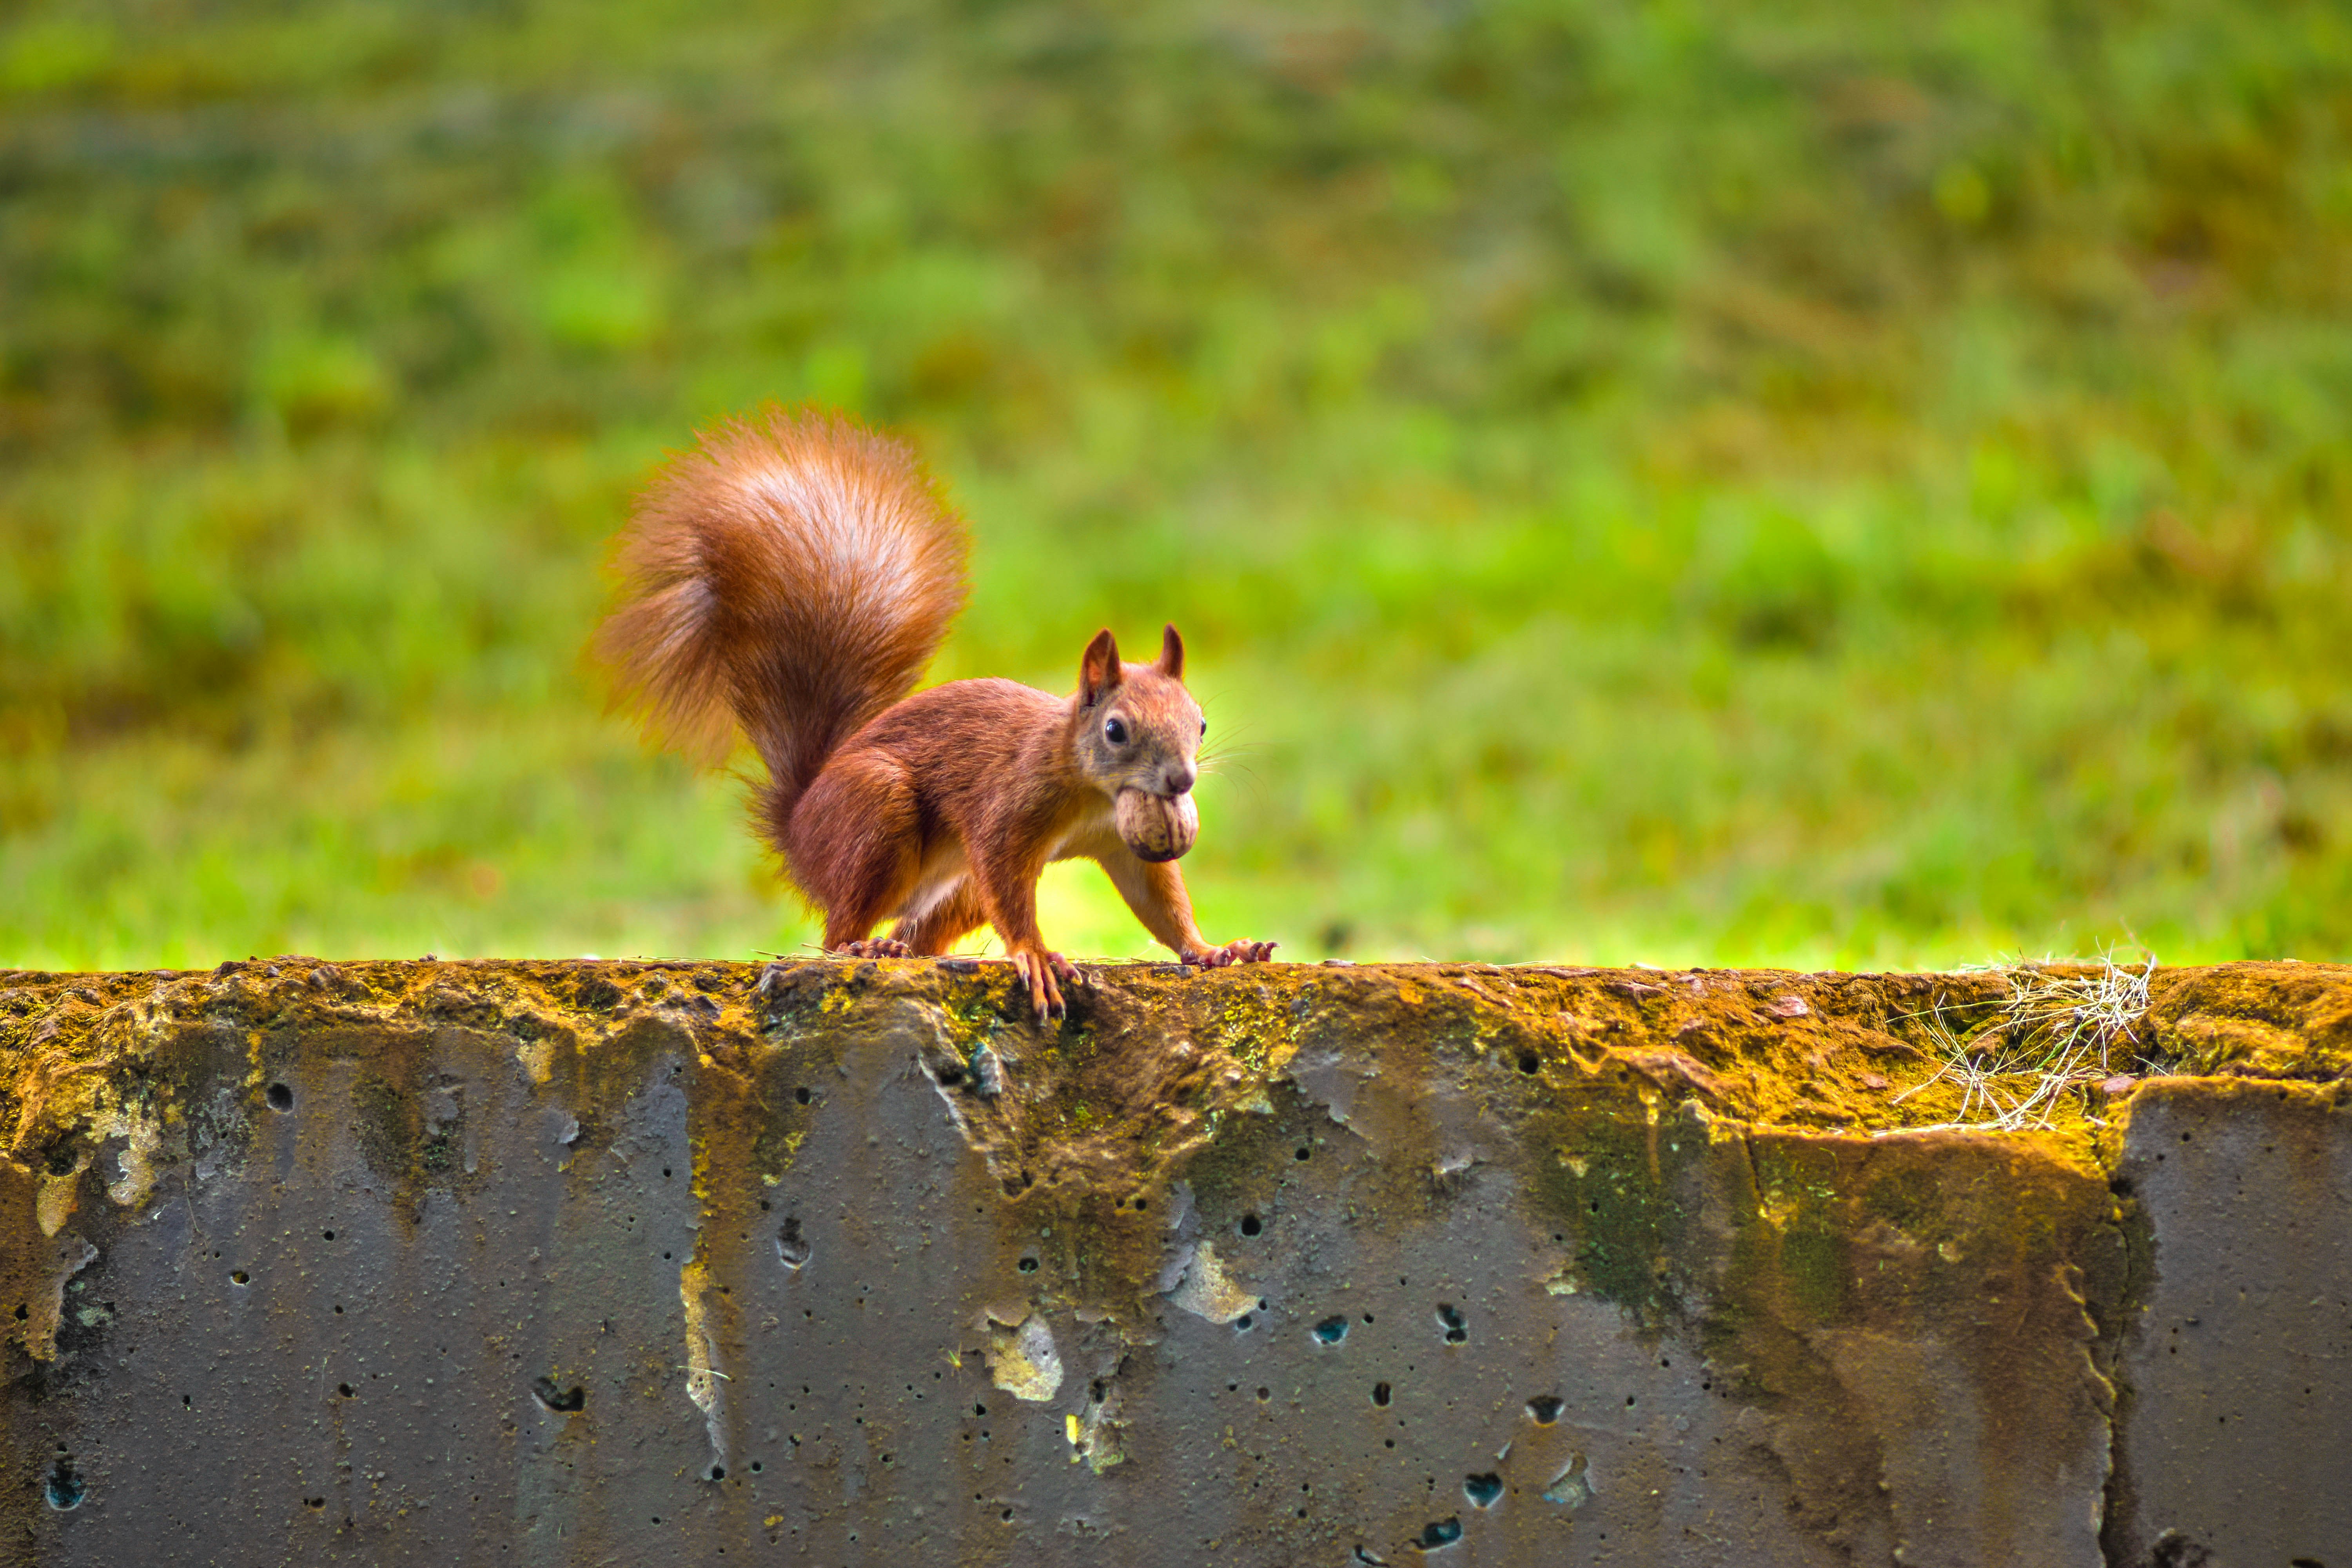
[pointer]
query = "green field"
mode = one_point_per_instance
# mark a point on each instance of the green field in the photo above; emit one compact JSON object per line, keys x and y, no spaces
{"x":1796,"y":484}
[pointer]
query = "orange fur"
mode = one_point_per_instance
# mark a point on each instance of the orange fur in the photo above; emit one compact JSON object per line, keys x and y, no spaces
{"x":793,"y":575}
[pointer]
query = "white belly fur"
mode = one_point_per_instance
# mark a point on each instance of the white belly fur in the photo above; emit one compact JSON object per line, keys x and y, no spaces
{"x":943,"y":873}
{"x":1082,"y":835}
{"x":945,"y":866}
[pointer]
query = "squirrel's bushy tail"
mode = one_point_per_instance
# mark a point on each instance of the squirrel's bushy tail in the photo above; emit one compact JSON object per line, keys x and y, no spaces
{"x":793,"y":574}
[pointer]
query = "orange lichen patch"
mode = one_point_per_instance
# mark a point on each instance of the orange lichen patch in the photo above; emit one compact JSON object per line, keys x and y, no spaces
{"x":1151,"y":1052}
{"x":2253,"y":1020}
{"x":1766,"y":1046}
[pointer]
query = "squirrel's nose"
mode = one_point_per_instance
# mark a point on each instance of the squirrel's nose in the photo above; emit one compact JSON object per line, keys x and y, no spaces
{"x":1179,"y":779}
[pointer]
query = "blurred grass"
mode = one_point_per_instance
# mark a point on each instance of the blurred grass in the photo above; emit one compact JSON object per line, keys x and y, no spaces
{"x":1808,"y":484}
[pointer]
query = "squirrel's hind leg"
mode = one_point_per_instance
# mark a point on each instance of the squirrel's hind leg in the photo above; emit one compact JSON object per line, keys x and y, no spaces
{"x":855,"y":847}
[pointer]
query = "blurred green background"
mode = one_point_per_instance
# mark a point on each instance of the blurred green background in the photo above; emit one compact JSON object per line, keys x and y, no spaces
{"x":1818,"y":484}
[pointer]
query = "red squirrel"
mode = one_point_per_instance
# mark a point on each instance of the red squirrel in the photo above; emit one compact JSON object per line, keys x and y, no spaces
{"x":793,"y":575}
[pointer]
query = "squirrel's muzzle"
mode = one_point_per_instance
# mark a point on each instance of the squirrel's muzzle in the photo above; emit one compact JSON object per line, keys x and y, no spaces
{"x":1157,"y":826}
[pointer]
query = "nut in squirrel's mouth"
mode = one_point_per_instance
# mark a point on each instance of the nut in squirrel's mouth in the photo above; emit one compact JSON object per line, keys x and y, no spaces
{"x":1158,"y":827}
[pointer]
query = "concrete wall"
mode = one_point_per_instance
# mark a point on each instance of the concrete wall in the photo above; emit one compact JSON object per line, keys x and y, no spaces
{"x":849,"y":1263}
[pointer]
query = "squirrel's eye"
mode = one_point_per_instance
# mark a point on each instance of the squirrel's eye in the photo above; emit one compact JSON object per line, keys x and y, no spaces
{"x":1115,"y":731}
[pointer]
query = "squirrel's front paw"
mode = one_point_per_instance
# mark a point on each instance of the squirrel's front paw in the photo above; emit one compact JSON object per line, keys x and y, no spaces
{"x":879,"y":947}
{"x":1233,"y":952}
{"x":1040,"y":969}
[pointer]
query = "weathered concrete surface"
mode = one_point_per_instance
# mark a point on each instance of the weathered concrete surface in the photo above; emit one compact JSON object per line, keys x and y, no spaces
{"x":847,"y":1263}
{"x":2235,"y":1433}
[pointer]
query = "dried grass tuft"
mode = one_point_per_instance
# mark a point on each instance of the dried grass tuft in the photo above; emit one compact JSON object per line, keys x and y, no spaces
{"x":2058,"y":1029}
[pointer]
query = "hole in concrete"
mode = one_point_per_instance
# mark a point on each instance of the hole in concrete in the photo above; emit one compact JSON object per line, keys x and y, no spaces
{"x":755,"y":1467}
{"x":1028,"y":1264}
{"x":1252,"y":1224}
{"x":1439,"y":1532}
{"x":1544,"y":1409}
{"x":1458,"y":1328}
{"x":790,"y":1245}
{"x":326,"y":1235}
{"x":1264,"y":1395}
{"x":665,"y":1173}
{"x":64,"y":1489}
{"x":344,"y":1389}
{"x":1380,"y":1394}
{"x":314,"y":1503}
{"x":718,"y":1473}
{"x":188,"y":1401}
{"x":803,"y":1094}
{"x":1303,"y":1153}
{"x":281,"y":1097}
{"x":1484,"y":1491}
{"x":561,"y":1400}
{"x":239,"y":1277}
{"x":1331,"y":1330}
{"x":21,"y":1313}
{"x":1245,"y":1322}
{"x":1529,"y":1062}
{"x":339,"y":1309}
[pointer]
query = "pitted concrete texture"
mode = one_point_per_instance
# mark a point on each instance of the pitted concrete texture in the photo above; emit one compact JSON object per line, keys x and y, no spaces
{"x":2240,"y":1407}
{"x":849,"y":1263}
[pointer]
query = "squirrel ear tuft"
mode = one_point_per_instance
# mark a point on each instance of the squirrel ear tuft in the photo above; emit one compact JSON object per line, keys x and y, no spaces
{"x":1172,"y":654}
{"x":1098,"y":670}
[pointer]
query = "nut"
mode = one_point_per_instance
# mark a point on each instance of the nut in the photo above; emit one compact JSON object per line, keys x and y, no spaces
{"x":1157,"y":826}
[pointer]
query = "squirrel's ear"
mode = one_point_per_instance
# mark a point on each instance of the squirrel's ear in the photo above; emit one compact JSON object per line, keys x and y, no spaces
{"x":1098,"y":671}
{"x":1172,"y":654}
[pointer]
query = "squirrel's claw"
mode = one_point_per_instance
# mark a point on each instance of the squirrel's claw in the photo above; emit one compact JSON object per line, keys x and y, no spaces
{"x":1039,"y":969}
{"x":878,"y":947}
{"x":1233,"y":952}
